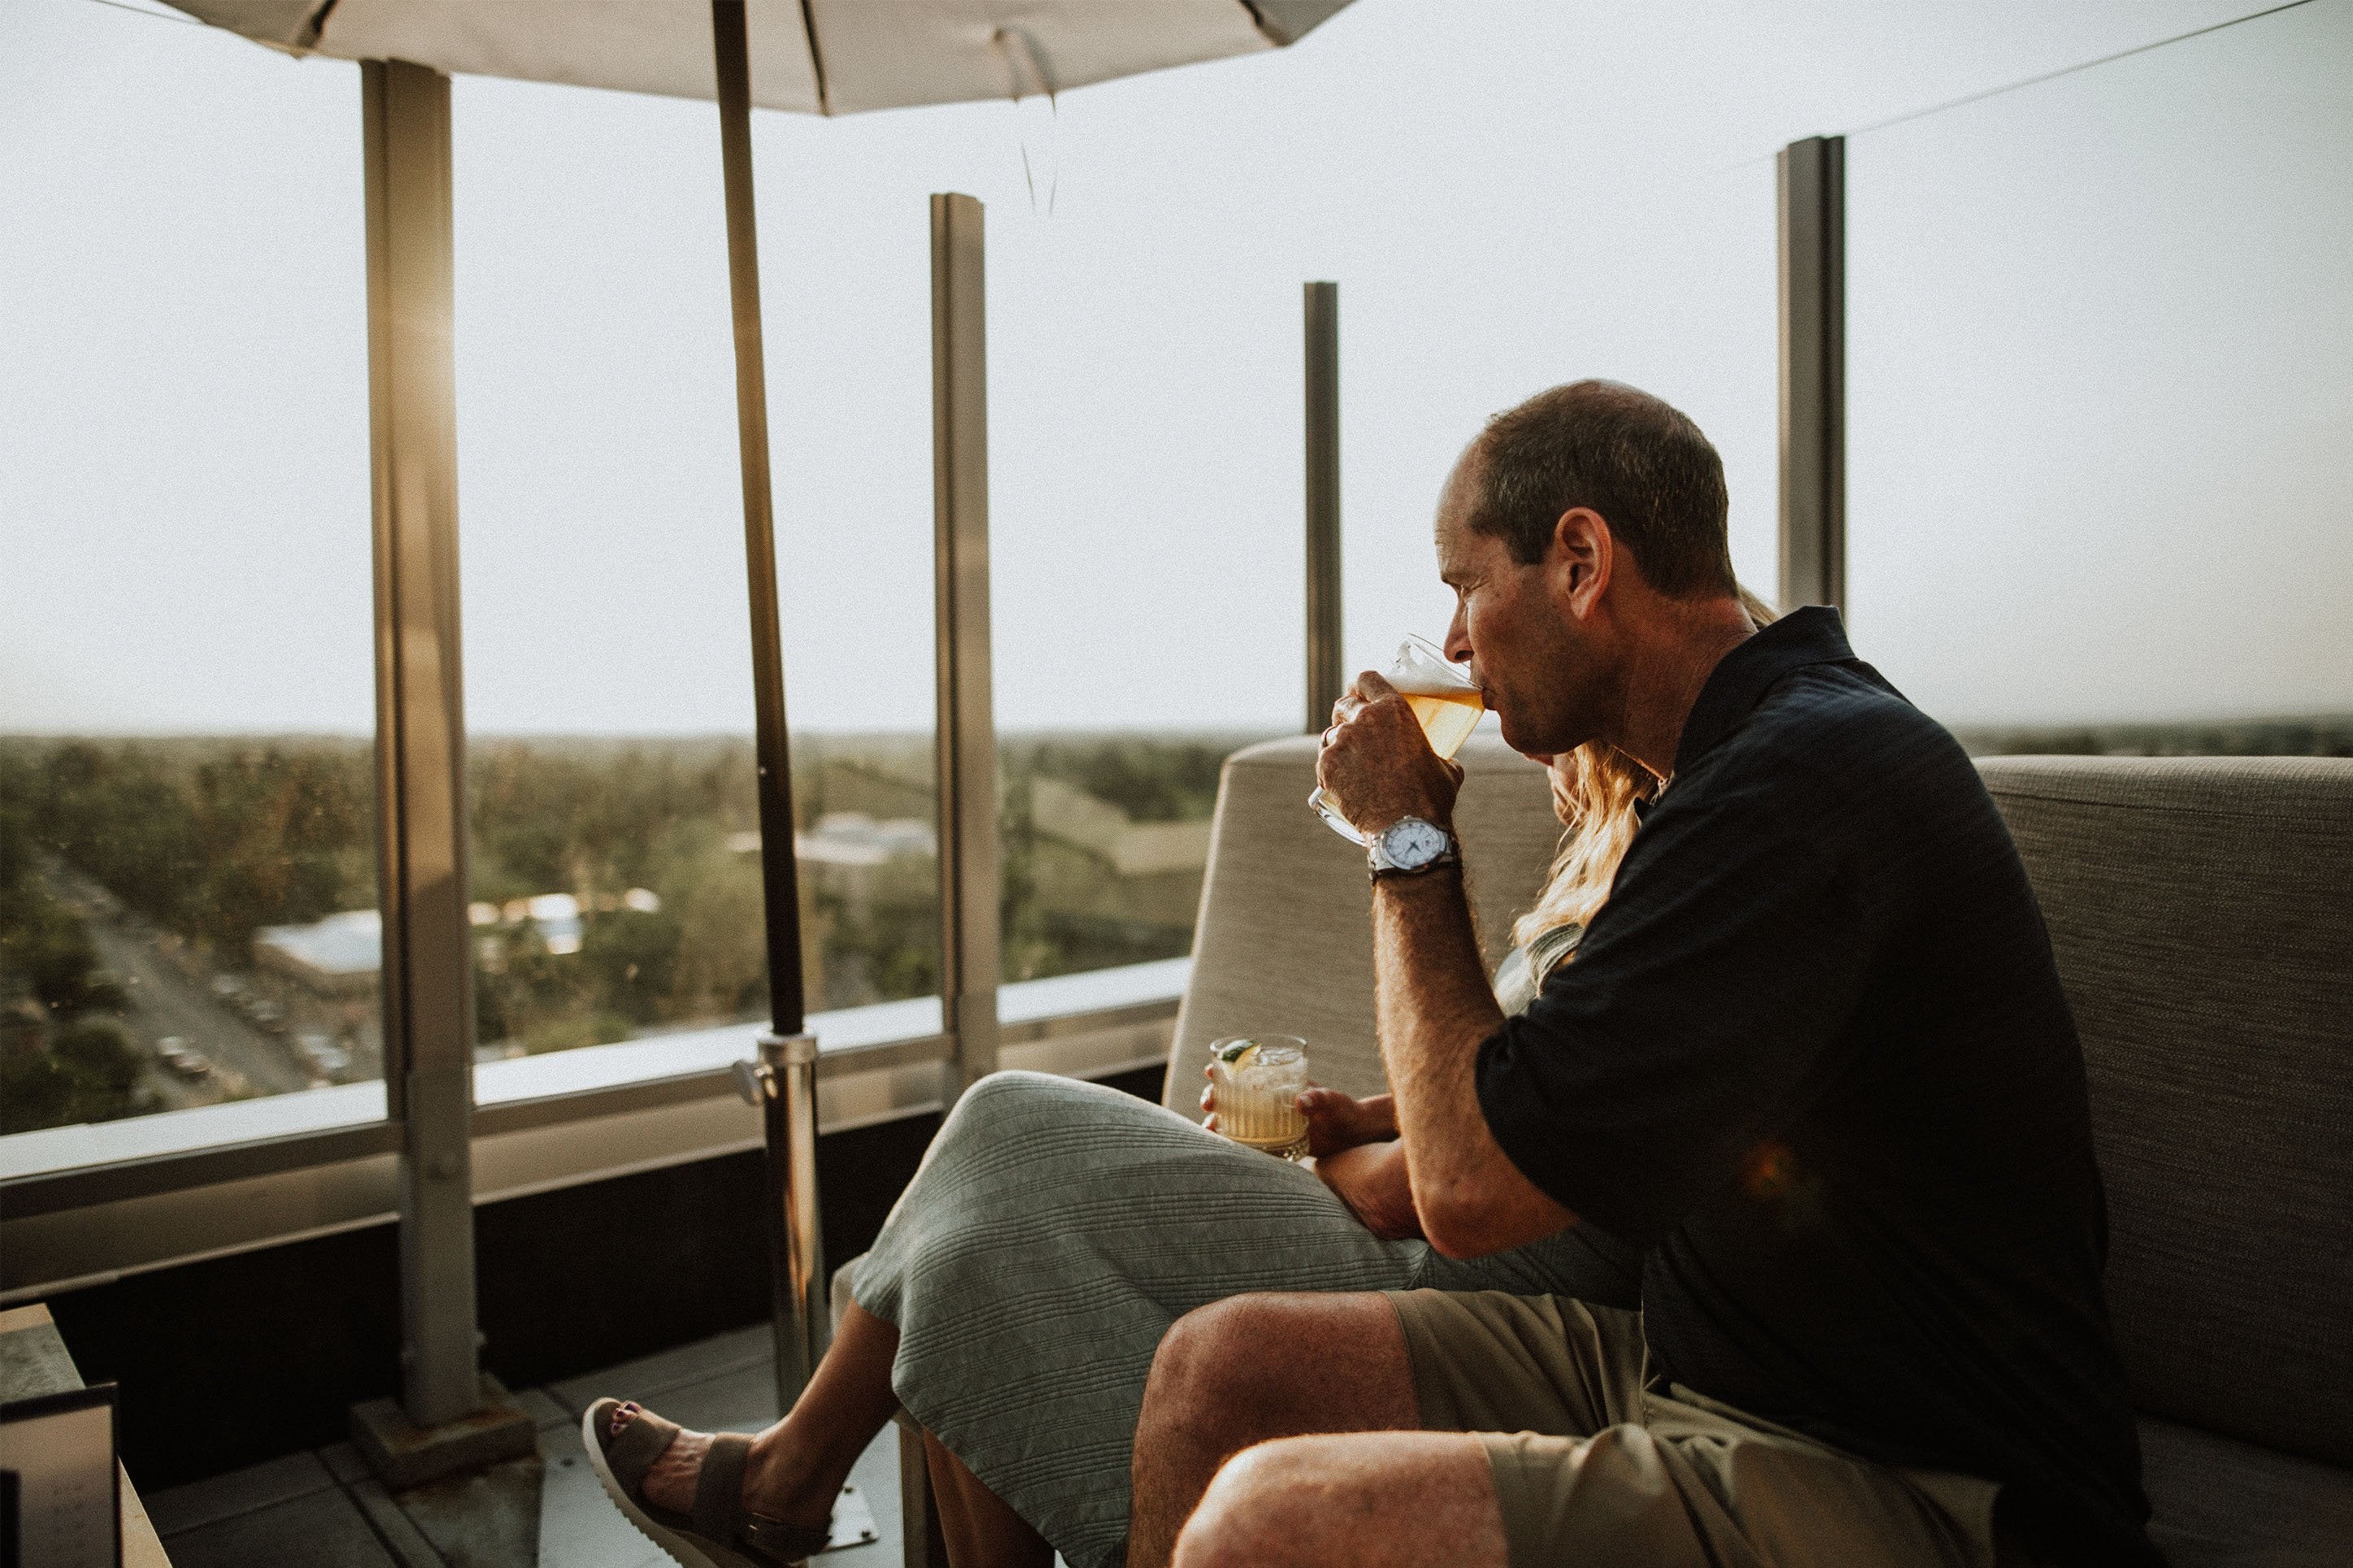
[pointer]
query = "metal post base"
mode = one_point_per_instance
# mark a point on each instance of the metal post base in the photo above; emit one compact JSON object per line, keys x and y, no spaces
{"x":404,"y":1455}
{"x":782,"y":1085}
{"x":853,"y":1521}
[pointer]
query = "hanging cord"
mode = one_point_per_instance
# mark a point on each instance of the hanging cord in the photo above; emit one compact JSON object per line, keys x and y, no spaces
{"x":2071,"y":70}
{"x":1004,"y":39}
{"x":1720,"y":169}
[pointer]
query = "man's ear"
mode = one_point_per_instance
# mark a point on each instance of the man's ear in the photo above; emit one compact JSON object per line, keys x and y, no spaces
{"x":1581,"y":560}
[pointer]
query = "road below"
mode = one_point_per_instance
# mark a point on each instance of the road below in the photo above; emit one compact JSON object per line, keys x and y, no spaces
{"x":164,"y":1002}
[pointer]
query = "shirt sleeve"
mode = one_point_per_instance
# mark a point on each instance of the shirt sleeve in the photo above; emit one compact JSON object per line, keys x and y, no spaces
{"x":1714,"y":989}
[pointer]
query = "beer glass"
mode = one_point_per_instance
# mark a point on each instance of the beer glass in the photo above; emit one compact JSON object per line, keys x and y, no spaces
{"x":1258,"y":1079}
{"x":1444,"y":702}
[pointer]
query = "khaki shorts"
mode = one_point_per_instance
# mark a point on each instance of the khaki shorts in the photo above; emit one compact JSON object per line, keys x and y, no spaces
{"x":1590,"y":1466}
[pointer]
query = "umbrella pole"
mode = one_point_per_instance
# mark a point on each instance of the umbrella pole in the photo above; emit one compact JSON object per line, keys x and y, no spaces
{"x":783,"y":1083}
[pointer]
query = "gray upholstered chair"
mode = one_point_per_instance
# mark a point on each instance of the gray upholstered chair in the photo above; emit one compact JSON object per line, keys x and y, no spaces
{"x":1286,"y":941}
{"x":2202,"y":912}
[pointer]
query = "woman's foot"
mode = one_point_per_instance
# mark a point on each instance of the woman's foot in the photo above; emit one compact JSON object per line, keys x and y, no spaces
{"x":768,"y":1491}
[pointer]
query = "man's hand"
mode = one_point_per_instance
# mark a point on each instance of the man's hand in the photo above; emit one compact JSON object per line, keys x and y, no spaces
{"x":1376,"y":766}
{"x":1335,"y":1120}
{"x":1371,"y":1180}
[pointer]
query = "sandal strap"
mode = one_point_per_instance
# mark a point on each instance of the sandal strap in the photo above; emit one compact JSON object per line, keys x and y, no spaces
{"x":720,"y":1514}
{"x":785,"y":1541}
{"x":631,"y":1454}
{"x":717,"y":1511}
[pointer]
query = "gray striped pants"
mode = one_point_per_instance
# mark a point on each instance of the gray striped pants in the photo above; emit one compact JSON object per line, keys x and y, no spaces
{"x":1054,"y":1232}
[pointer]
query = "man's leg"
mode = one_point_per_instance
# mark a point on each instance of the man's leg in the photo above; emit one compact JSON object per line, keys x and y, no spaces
{"x":1251,"y":1368}
{"x":1374,"y":1499}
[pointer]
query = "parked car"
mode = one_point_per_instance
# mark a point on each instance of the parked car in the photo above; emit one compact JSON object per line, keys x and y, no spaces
{"x":322,"y":1052}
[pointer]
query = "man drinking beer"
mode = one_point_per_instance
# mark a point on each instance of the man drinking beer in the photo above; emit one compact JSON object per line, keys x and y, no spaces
{"x":1811,"y":1058}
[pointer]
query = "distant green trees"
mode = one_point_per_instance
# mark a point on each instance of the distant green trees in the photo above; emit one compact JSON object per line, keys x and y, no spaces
{"x":1152,"y":778}
{"x":62,"y":1060}
{"x":214,"y":838}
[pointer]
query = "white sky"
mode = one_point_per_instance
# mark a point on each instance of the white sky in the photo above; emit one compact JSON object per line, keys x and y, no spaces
{"x":2101,"y":359}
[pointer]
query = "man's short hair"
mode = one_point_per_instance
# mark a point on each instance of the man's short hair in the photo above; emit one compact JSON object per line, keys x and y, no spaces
{"x":1632,"y":458}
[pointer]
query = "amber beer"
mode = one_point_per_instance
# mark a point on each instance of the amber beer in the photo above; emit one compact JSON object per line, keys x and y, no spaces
{"x":1444,"y":702}
{"x":1447,"y":709}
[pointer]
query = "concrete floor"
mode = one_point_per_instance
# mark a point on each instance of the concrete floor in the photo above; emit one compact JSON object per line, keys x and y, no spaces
{"x":323,"y":1511}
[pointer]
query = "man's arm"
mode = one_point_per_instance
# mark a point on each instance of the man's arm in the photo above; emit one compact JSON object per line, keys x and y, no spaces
{"x":1433,"y":1006}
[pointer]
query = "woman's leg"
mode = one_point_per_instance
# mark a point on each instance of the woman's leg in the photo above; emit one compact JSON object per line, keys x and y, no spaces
{"x":981,"y":1532}
{"x":797,"y":1467}
{"x":1056,"y":1231}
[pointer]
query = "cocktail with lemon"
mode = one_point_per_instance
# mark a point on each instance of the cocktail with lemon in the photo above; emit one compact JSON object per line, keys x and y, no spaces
{"x":1259,"y":1078}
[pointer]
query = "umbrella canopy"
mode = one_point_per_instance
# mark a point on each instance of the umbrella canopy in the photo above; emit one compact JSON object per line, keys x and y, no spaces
{"x":813,"y":57}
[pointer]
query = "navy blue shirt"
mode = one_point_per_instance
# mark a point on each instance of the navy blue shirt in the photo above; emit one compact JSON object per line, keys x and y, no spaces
{"x":1813,"y":1056}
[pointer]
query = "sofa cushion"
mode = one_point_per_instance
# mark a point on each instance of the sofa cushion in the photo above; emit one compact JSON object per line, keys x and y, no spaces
{"x":2222,"y":1503}
{"x":2202,"y":913}
{"x":1284,"y":945}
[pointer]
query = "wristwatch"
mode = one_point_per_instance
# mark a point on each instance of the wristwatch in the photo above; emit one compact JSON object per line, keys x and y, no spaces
{"x":1410,"y":844}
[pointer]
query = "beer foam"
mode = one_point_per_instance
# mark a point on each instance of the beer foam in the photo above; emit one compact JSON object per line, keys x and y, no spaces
{"x":1418,"y":679}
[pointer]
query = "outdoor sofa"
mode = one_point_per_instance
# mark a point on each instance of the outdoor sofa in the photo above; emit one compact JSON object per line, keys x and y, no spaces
{"x":2202,"y":913}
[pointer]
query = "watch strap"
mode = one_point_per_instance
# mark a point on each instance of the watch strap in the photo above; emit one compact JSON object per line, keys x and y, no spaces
{"x":1449,"y":856}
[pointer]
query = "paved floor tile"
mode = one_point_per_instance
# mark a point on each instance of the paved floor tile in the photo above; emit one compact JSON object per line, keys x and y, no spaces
{"x":736,"y":1399}
{"x":323,"y":1530}
{"x":578,"y":1526}
{"x":482,"y":1519}
{"x":344,"y":1463}
{"x":543,"y":1410}
{"x":223,"y":1497}
{"x":666,"y":1369}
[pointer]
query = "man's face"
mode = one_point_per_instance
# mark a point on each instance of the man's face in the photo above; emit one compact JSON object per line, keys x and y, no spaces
{"x":1538,"y":667}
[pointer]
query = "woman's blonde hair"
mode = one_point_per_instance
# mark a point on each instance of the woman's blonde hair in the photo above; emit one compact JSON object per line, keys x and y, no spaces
{"x":1597,"y":785}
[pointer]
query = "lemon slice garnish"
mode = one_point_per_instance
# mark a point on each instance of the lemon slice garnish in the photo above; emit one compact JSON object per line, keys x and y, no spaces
{"x":1240,"y":1054}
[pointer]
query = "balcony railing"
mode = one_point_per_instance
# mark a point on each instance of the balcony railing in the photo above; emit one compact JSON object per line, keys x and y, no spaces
{"x":113,"y":1197}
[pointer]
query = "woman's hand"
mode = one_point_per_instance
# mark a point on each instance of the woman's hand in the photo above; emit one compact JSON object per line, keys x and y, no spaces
{"x":1335,"y":1120}
{"x":1371,"y":1180}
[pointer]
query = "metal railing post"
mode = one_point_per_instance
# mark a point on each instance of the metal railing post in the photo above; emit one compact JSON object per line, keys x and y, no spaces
{"x":1812,"y":222}
{"x":1327,"y":676}
{"x":782,"y":1084}
{"x":428,"y":970}
{"x":966,"y":743}
{"x":784,"y":1080}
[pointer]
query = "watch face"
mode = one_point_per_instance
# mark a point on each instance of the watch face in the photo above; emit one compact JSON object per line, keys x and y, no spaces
{"x":1413,"y":842}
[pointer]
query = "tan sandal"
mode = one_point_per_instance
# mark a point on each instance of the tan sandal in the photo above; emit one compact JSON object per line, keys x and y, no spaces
{"x":720,"y":1532}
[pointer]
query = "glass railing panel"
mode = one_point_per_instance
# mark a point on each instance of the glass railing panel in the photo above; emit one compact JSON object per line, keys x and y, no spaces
{"x":615,"y":833}
{"x":187,"y":793}
{"x":2098,"y":403}
{"x":1147,"y":410}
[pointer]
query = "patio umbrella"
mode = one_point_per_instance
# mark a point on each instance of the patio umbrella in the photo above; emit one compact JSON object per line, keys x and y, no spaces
{"x":815,"y":56}
{"x":818,"y":57}
{"x":812,"y":56}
